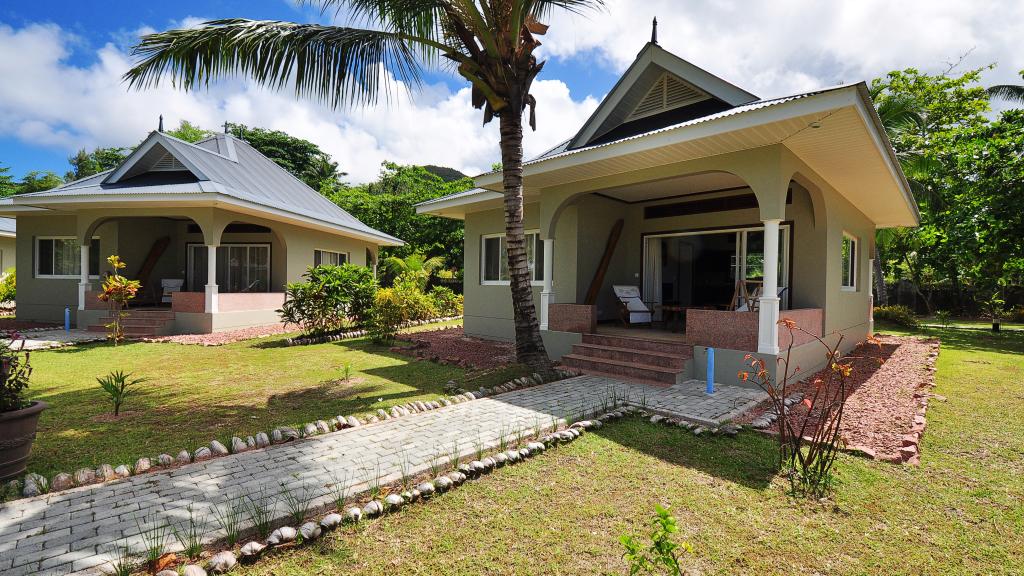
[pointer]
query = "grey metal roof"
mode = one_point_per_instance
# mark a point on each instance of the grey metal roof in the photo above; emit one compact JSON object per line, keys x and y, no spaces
{"x":8,"y":226}
{"x":221,"y":164}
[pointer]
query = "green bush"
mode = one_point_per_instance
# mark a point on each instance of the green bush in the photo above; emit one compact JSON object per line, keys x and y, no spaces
{"x":417,"y":305}
{"x":7,"y":286}
{"x":386,"y":316}
{"x":899,"y":315}
{"x":446,"y":301}
{"x":331,"y":297}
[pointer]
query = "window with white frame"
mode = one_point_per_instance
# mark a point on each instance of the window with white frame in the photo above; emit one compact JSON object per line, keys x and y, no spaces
{"x":849,"y":262}
{"x":494,"y":258}
{"x":329,"y":258}
{"x":61,"y":257}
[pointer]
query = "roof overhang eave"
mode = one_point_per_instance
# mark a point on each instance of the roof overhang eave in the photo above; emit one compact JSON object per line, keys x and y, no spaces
{"x":443,"y":207}
{"x":198,"y":200}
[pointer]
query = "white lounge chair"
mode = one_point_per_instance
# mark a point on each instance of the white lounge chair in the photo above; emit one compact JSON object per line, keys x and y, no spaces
{"x":632,"y":308}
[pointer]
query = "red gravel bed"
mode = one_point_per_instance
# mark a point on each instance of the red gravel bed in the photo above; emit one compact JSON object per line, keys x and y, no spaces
{"x":11,"y":325}
{"x":884,"y":415}
{"x":226,"y":337}
{"x":452,"y":346}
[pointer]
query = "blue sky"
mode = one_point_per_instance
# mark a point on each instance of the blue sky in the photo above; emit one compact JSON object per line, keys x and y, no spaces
{"x":61,"y":62}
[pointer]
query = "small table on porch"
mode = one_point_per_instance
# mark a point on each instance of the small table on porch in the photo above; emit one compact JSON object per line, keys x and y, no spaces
{"x":673,"y":313}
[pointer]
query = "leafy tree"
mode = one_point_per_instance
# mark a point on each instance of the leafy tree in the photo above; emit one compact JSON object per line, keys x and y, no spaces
{"x":189,"y":132}
{"x":85,"y":164}
{"x":388,"y":204}
{"x":305,"y":160}
{"x":7,"y":185}
{"x":37,"y":181}
{"x":414,"y":266}
{"x":491,"y":45}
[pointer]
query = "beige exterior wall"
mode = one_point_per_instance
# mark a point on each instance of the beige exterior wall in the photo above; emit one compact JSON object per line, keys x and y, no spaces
{"x":132,"y":234}
{"x":8,"y":253}
{"x":817,"y":216}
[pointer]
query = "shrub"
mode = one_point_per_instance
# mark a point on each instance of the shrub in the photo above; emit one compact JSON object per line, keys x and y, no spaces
{"x":386,"y":316}
{"x":447,"y":302}
{"x":8,"y":285}
{"x":417,"y":305}
{"x":330,"y":297}
{"x":1016,"y":314}
{"x":14,"y":375}
{"x":898,"y":314}
{"x":119,"y":386}
{"x":944,"y":318}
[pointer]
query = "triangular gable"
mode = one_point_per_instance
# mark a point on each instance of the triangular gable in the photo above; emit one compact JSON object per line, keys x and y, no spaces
{"x":155,"y":154}
{"x":657,"y":82}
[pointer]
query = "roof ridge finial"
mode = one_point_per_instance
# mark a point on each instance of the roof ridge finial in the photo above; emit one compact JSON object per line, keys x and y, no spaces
{"x":654,"y":31}
{"x":226,"y":129}
{"x":160,"y":126}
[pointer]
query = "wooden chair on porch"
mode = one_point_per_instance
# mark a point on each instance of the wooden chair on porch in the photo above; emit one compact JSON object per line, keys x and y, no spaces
{"x":632,"y":308}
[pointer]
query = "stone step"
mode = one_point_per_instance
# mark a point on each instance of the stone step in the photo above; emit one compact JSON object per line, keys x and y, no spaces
{"x":623,"y":370}
{"x":676,"y":360}
{"x":635,"y":343}
{"x":137,"y":321}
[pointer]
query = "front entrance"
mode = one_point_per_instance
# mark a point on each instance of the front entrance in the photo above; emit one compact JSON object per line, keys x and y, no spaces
{"x":701,"y":268}
{"x":240,"y":267}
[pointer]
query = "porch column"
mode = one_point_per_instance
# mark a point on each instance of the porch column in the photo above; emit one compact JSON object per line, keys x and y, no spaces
{"x":768,"y":305}
{"x":546,"y":294}
{"x":211,"y":278}
{"x":84,"y":285}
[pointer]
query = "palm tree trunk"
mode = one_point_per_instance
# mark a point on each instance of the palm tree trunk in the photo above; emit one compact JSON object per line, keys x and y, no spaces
{"x":881,"y":294}
{"x":529,"y":345}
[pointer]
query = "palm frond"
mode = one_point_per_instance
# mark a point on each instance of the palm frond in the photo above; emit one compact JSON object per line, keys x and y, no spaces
{"x":1011,"y":92}
{"x":335,"y":65}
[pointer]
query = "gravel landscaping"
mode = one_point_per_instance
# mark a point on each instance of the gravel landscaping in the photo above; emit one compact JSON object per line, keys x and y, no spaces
{"x":452,"y":346}
{"x":889,"y":388}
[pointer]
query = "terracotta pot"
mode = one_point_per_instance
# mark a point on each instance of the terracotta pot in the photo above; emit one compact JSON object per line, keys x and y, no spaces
{"x":17,"y":431}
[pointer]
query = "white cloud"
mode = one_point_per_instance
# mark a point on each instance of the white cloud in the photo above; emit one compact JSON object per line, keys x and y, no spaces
{"x":54,"y":103}
{"x":786,"y":46}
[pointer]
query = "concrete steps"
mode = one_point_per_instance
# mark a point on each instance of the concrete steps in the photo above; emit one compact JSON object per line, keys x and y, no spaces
{"x":644,"y":360}
{"x":139,"y":323}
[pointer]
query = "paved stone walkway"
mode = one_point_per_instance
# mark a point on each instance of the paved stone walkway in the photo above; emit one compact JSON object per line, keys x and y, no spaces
{"x":74,"y":531}
{"x":57,"y":338}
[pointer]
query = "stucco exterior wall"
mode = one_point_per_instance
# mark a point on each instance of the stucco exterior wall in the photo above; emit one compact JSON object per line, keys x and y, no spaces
{"x":132,"y":234}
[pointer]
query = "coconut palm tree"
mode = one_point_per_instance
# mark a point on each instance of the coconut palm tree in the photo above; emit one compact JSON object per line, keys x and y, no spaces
{"x":1011,"y":92}
{"x":490,"y":44}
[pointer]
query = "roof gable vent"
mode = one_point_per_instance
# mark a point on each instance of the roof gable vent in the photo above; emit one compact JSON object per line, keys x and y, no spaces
{"x":668,"y":92}
{"x":168,"y":163}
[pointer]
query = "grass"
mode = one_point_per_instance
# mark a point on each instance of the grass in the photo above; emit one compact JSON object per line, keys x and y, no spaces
{"x":195,"y":394}
{"x":960,"y":512}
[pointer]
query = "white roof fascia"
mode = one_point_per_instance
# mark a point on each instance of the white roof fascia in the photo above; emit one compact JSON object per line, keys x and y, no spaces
{"x":213,"y":199}
{"x":694,"y":130}
{"x":134,"y":157}
{"x":446,"y":204}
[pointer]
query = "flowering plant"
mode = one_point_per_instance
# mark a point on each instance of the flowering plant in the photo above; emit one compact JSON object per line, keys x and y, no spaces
{"x":117,"y":292}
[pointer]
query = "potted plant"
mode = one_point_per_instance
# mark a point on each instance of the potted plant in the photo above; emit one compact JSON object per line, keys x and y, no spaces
{"x":18,"y":417}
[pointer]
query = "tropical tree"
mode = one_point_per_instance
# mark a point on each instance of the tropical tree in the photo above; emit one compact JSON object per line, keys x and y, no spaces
{"x":490,"y":44}
{"x":414,"y":266}
{"x":189,"y":132}
{"x":7,"y":185}
{"x":1010,"y":92}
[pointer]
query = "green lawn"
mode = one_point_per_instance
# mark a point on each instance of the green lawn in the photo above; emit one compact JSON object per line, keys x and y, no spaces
{"x":196,"y":393}
{"x":960,"y":512}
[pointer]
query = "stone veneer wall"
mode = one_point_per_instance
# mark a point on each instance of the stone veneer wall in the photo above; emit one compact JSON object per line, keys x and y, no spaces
{"x":581,"y":318}
{"x":738,"y":330}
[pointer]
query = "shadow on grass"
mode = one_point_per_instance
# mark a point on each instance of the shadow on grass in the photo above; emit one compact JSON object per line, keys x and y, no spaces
{"x":749,"y":459}
{"x":1007,"y":342}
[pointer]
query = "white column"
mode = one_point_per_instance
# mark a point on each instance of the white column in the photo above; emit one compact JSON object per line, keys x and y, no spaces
{"x":768,"y":330}
{"x":546,"y":293}
{"x":83,"y":284}
{"x":211,"y":278}
{"x":871,"y":300}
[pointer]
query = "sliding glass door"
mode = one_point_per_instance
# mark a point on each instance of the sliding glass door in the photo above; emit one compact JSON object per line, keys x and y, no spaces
{"x":702,"y":268}
{"x":240,"y":267}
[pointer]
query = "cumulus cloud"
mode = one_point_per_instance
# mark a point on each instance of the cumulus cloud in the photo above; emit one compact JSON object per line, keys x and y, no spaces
{"x":54,"y":103}
{"x":786,"y":46}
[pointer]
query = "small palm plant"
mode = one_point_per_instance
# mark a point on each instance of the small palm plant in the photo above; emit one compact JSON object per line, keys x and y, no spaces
{"x":119,"y":386}
{"x":117,"y":292}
